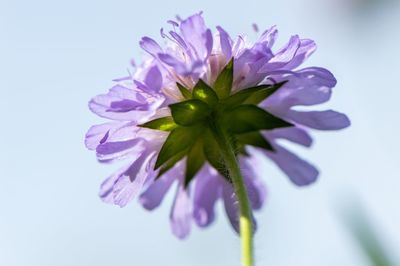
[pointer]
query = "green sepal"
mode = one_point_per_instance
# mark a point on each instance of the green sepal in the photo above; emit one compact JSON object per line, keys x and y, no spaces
{"x":213,"y":155}
{"x":189,"y":112}
{"x":255,"y":139}
{"x":224,"y":81}
{"x":195,"y":160}
{"x":164,"y":123}
{"x":180,"y":139}
{"x":184,"y":91}
{"x":253,"y":95}
{"x":248,"y":118}
{"x":259,"y":96}
{"x":205,"y":93}
{"x":171,"y":162}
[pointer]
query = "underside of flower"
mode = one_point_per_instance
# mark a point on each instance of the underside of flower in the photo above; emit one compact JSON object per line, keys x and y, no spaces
{"x":167,"y":115}
{"x":192,"y":124}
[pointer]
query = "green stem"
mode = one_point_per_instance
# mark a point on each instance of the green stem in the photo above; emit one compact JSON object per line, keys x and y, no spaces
{"x":246,"y":231}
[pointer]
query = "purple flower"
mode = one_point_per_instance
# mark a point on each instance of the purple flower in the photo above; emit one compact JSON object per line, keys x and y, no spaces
{"x":145,"y":109}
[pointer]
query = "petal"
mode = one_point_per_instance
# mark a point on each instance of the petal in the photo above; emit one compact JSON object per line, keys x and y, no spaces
{"x":120,"y":188}
{"x":283,"y":56}
{"x":306,"y":87}
{"x":197,"y":36}
{"x":180,"y":216}
{"x":152,"y":197}
{"x":232,"y":207}
{"x":106,"y":188}
{"x":124,"y":104}
{"x":299,"y":171}
{"x":98,"y":134}
{"x":153,"y":79}
{"x":178,"y":66}
{"x":225,"y":43}
{"x":256,"y":190}
{"x":150,"y":46}
{"x":322,"y":120}
{"x":207,"y":192}
{"x":307,"y":48}
{"x":269,"y":37}
{"x":293,"y":134}
{"x":118,"y":150}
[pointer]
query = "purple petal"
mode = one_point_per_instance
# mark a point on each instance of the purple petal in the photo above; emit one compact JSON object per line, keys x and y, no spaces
{"x":110,"y":151}
{"x":152,"y":197}
{"x":269,"y":37}
{"x":178,"y":39}
{"x":293,"y":134}
{"x":207,"y":192}
{"x":181,"y":213}
{"x":256,"y":190}
{"x":322,"y":120}
{"x":299,"y":171}
{"x":154,"y":79}
{"x":178,"y":66}
{"x":232,"y":207}
{"x":307,"y":48}
{"x":225,"y":42}
{"x":150,"y":46}
{"x":124,"y":104}
{"x":124,"y":185}
{"x":197,"y":36}
{"x":306,"y":87}
{"x":98,"y":134}
{"x":283,"y":56}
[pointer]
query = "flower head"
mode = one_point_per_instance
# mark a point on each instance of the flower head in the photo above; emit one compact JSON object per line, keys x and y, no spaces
{"x":163,"y":115}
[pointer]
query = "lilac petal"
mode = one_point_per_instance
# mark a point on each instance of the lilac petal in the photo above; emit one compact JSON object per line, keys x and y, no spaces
{"x":178,"y":66}
{"x":124,"y":104}
{"x":256,"y":190}
{"x":179,"y":40}
{"x":310,"y":86}
{"x":152,"y":197}
{"x":181,"y":213}
{"x":299,"y":171}
{"x":98,"y":134}
{"x":110,"y":151}
{"x":150,"y":46}
{"x":283,"y":56}
{"x":253,"y":77}
{"x":106,"y":188}
{"x":322,"y":120}
{"x":307,"y":48}
{"x":269,"y":37}
{"x":197,"y":36}
{"x":293,"y":134}
{"x":225,"y":42}
{"x":232,"y":207}
{"x":153,"y":79}
{"x":209,"y":41}
{"x":121,"y":187}
{"x":306,"y":87}
{"x":206,"y":194}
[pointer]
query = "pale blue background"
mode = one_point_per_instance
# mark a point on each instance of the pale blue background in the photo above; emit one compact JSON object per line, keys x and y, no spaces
{"x":55,"y":55}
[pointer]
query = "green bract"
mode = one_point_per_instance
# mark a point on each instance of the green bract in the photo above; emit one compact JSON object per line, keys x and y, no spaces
{"x":192,"y":124}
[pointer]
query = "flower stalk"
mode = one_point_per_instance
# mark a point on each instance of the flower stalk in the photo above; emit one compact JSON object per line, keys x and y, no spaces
{"x":245,"y":212}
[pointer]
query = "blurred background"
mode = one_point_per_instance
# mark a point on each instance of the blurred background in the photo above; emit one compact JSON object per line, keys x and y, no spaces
{"x":56,"y":55}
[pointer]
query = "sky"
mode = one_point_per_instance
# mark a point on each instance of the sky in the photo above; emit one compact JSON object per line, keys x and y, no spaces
{"x":56,"y":55}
